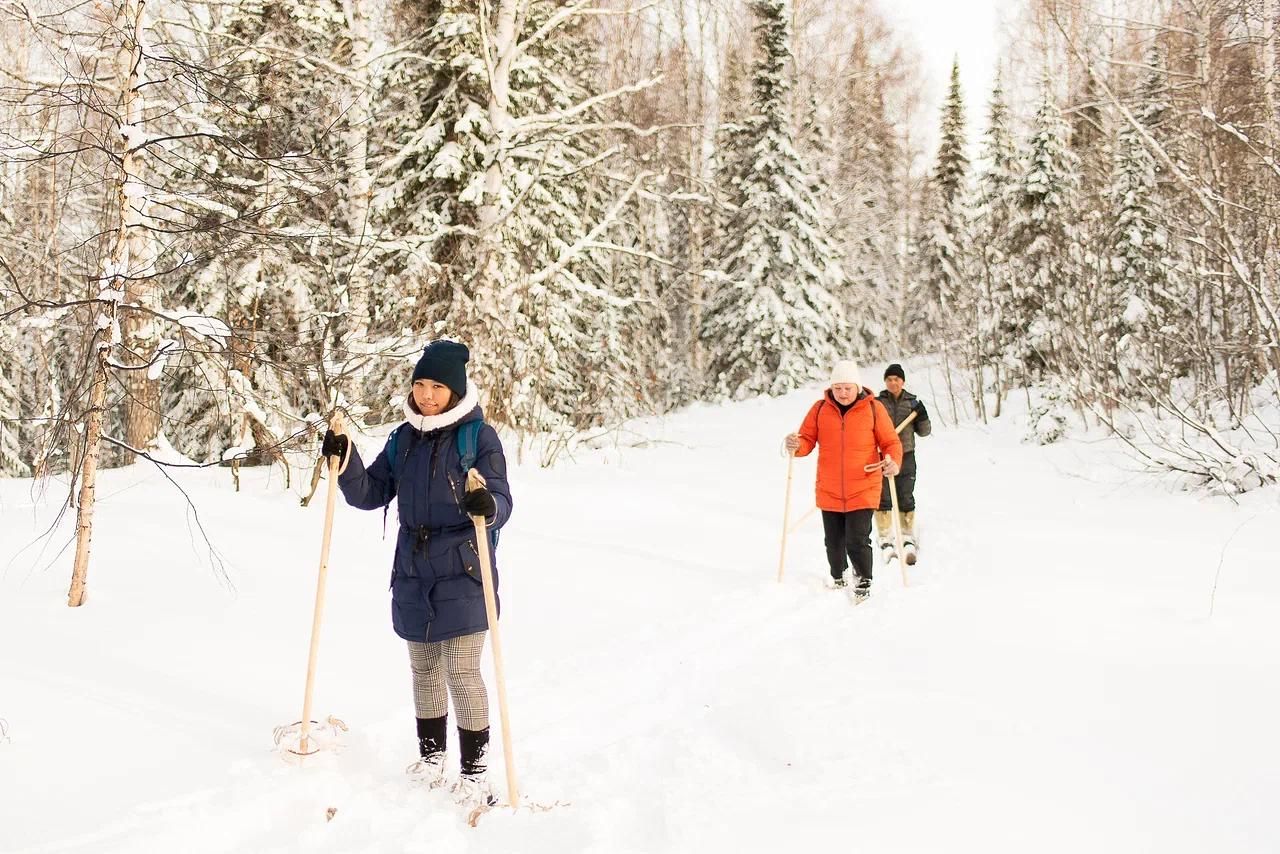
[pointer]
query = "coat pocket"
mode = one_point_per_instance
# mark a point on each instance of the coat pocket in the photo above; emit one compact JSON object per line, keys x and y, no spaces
{"x":470,"y":561}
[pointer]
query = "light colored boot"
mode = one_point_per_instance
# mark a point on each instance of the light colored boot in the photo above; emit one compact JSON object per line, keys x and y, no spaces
{"x":884,"y":526}
{"x":908,"y":522}
{"x":884,"y":533}
{"x":429,"y":770}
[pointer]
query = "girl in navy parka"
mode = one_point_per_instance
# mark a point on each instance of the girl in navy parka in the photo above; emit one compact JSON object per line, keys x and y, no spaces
{"x":437,"y":602}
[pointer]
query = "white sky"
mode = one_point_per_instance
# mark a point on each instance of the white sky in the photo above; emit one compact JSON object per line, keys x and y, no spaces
{"x":941,"y":30}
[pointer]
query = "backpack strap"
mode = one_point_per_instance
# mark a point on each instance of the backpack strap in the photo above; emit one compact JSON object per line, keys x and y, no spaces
{"x":393,"y":452}
{"x":468,"y":439}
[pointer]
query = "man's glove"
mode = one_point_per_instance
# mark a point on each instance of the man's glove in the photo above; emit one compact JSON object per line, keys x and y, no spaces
{"x":917,"y":406}
{"x":890,"y":467}
{"x":479,"y":502}
{"x":335,"y":445}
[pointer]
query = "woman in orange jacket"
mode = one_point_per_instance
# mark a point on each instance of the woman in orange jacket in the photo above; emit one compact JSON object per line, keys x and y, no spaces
{"x":857,"y":447}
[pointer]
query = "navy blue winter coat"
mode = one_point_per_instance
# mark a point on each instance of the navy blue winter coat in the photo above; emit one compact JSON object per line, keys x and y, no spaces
{"x":436,"y":591}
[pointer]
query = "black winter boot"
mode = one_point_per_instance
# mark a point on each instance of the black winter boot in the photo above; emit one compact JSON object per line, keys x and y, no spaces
{"x":433,"y":734}
{"x":474,"y":744}
{"x":473,"y":788}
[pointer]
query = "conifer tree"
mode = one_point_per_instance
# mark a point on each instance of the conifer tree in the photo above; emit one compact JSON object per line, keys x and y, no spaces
{"x":937,"y":297}
{"x":1140,"y":272}
{"x":996,"y":325}
{"x":556,"y":338}
{"x":1043,"y":243}
{"x":268,"y":269}
{"x":772,"y":323}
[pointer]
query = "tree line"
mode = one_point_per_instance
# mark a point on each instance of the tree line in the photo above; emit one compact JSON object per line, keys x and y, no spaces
{"x":219,"y":221}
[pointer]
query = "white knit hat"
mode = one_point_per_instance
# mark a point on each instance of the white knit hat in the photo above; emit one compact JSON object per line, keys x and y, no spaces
{"x":845,"y":371}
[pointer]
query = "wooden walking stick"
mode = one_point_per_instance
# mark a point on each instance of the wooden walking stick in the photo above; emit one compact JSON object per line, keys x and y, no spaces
{"x":786,"y":516}
{"x":897,"y":521}
{"x":336,"y":467}
{"x":893,"y":498}
{"x":475,"y":481}
{"x":897,"y":532}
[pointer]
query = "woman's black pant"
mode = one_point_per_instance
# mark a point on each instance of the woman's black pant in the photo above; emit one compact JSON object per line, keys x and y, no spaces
{"x":848,"y":535}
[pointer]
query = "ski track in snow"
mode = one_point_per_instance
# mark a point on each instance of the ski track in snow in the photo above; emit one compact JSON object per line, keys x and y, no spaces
{"x":1049,"y":681}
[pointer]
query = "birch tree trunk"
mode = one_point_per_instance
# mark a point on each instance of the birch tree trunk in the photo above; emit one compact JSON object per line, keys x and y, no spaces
{"x":501,"y":52}
{"x":127,"y":273}
{"x":89,"y":477}
{"x":134,"y":256}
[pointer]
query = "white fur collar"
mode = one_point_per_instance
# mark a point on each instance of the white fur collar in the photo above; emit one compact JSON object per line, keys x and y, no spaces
{"x":426,"y":423}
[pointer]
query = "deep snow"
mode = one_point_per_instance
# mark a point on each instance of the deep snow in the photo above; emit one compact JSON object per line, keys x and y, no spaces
{"x":1050,"y":681}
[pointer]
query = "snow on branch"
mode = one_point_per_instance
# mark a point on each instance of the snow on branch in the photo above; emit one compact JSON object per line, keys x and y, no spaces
{"x":571,"y":11}
{"x":202,"y":326}
{"x":552,"y":119}
{"x":605,"y":222}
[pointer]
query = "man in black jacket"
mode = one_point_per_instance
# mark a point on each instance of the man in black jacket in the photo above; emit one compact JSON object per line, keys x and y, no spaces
{"x":901,"y":403}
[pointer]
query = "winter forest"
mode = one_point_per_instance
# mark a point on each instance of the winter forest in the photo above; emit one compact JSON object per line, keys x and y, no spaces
{"x":228,"y":225}
{"x":218,"y":221}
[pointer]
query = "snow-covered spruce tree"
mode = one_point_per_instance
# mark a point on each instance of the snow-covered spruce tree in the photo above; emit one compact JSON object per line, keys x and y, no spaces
{"x":939,"y":301}
{"x":1143,"y":305}
{"x":583,"y":299}
{"x":871,"y":177}
{"x":1043,"y":245}
{"x":856,"y":293}
{"x":501,"y":196}
{"x":268,"y":264}
{"x":772,"y":322}
{"x":994,"y":328}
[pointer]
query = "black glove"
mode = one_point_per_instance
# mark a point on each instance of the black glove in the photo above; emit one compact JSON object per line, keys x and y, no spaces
{"x":335,"y":445}
{"x":479,"y":502}
{"x":917,"y":406}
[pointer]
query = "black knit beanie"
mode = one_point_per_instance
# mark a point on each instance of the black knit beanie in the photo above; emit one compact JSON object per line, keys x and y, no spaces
{"x":895,"y":370}
{"x":445,"y":362}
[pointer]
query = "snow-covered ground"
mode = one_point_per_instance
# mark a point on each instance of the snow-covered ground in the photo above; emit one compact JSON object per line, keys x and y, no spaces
{"x":1051,"y":680}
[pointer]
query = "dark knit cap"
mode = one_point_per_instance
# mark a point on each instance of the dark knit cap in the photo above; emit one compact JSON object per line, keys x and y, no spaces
{"x":445,"y":362}
{"x":895,"y":370}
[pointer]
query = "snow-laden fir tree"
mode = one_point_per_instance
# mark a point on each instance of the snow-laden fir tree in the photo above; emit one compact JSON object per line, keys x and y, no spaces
{"x":772,"y":322}
{"x":1043,"y":244}
{"x":555,"y":340}
{"x":995,"y":196}
{"x":939,"y":299}
{"x":268,"y":264}
{"x":871,"y":182}
{"x":855,"y":295}
{"x":1140,"y":274}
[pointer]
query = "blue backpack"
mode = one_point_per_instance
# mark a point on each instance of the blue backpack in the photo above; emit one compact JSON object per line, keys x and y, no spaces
{"x":468,"y":433}
{"x":468,"y":438}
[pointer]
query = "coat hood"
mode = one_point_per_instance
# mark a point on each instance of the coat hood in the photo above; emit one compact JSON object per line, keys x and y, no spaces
{"x":427,"y":423}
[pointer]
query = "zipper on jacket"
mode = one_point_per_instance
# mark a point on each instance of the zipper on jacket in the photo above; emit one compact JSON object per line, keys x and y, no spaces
{"x":844,"y":486}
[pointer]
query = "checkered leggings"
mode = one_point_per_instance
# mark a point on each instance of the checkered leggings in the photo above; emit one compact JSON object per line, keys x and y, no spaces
{"x":460,"y":668}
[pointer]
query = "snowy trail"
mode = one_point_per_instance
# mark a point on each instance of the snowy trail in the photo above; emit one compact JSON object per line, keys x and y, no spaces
{"x":1050,"y":681}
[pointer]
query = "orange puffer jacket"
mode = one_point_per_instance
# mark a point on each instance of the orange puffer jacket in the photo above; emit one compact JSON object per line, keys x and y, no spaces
{"x":845,"y":444}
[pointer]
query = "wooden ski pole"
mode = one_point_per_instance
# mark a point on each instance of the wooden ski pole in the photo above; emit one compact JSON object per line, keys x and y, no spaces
{"x":336,"y":467}
{"x":786,"y":516}
{"x":897,"y":532}
{"x":897,"y":519}
{"x":475,"y":481}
